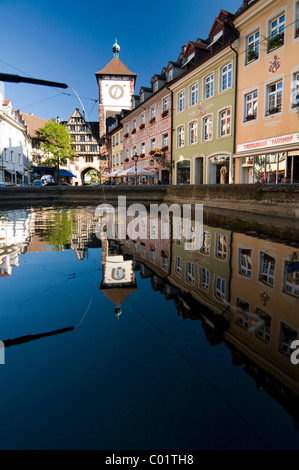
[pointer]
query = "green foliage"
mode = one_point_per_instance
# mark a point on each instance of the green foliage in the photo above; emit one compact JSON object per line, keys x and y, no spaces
{"x":56,"y":141}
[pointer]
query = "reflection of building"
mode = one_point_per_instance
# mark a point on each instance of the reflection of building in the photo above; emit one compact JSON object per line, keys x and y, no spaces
{"x":15,"y":238}
{"x":118,"y":280}
{"x":264,"y":305}
{"x":205,"y":272}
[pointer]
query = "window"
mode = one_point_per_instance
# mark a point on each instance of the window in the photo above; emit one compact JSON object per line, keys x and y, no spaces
{"x":193,"y":132}
{"x":165,"y":140}
{"x":127,"y":128}
{"x":165,"y":106}
{"x":82,"y":148}
{"x":209,"y":86}
{"x":178,"y":265}
{"x":153,"y":112}
{"x":220,"y":287}
{"x":194,"y":94}
{"x":170,"y":74}
{"x":142,"y":148}
{"x":225,"y":121}
{"x":286,"y":336}
{"x":204,"y":277}
{"x":142,"y":118}
{"x":206,"y":243}
{"x":226,"y":77}
{"x":134,"y":124}
{"x":82,"y":138}
{"x":89,"y":159}
{"x":134,"y":150}
{"x":250,"y":106}
{"x":274,"y":98}
{"x":155,"y":86}
{"x":127,"y":153}
{"x":253,"y":47}
{"x":180,"y":136}
{"x":267,"y":269}
{"x":276,"y":33}
{"x":242,"y":308}
{"x":207,"y":128}
{"x":245,"y":262}
{"x":291,"y":278}
{"x":181,"y":101}
{"x":190,"y":276}
{"x":295,"y":89}
{"x":121,"y":157}
{"x":153,"y":143}
{"x":221,"y":246}
{"x":264,"y":329}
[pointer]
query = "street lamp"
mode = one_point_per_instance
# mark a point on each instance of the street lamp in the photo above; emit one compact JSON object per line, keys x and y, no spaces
{"x":135,"y":158}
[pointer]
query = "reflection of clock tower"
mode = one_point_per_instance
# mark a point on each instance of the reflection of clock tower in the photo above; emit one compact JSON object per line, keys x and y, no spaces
{"x":116,"y":87}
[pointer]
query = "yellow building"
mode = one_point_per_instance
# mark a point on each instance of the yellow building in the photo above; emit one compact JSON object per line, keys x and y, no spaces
{"x":264,"y":305}
{"x":267,"y":127}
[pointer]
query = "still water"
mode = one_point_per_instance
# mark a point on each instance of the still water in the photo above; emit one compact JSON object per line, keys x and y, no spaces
{"x":122,"y":344}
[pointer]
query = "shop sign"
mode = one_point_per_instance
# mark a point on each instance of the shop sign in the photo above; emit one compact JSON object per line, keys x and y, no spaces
{"x":269,"y":143}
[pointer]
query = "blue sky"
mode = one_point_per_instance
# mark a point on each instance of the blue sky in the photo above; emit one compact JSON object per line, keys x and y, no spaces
{"x":68,"y":41}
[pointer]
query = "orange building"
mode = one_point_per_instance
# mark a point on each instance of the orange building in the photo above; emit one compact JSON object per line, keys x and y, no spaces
{"x":267,"y":127}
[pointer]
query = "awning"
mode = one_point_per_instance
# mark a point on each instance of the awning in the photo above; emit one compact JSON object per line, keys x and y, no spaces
{"x":66,"y":173}
{"x":216,"y":38}
{"x":8,"y":171}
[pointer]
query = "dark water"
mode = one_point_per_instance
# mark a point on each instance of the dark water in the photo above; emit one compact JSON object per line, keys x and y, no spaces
{"x":145,"y":345}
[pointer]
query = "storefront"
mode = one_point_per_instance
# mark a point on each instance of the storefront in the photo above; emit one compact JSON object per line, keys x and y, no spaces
{"x":274,"y":160}
{"x":218,"y":169}
{"x":183,"y":172}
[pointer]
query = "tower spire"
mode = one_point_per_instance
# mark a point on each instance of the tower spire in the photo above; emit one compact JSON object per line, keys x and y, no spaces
{"x":115,"y":49}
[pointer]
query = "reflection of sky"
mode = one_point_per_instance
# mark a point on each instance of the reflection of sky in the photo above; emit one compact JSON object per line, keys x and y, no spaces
{"x":144,"y":380}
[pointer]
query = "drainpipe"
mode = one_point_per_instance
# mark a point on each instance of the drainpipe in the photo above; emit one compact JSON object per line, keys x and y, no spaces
{"x":171,"y":137}
{"x":235,"y":110}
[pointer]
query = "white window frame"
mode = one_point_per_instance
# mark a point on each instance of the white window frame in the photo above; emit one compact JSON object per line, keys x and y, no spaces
{"x":250,"y":105}
{"x":274,"y":31}
{"x":209,"y":86}
{"x":178,"y":265}
{"x":180,"y":141}
{"x":153,"y":111}
{"x":190,"y":272}
{"x":266,"y":276}
{"x":274,"y":93}
{"x":181,"y":101}
{"x":142,"y":118}
{"x":142,"y":147}
{"x":252,"y":45}
{"x":227,"y":119}
{"x":193,"y":132}
{"x":244,"y":268}
{"x":153,"y":143}
{"x":165,"y":138}
{"x":204,"y":277}
{"x":220,"y":290}
{"x":205,"y":126}
{"x":221,"y":241}
{"x":206,"y":242}
{"x":226,"y":75}
{"x":193,"y":94}
{"x":165,"y":103}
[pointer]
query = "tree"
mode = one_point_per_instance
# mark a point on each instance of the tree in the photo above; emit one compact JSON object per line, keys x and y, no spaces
{"x":56,"y":141}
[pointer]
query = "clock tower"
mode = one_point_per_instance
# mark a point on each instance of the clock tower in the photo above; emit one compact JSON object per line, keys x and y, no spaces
{"x":116,"y":86}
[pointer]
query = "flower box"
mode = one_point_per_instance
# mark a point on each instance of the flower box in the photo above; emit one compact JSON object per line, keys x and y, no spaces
{"x":252,"y":55}
{"x":141,"y":126}
{"x":142,"y":155}
{"x":250,"y":117}
{"x":297,"y":33}
{"x":273,"y":110}
{"x":152,"y":120}
{"x":151,"y":152}
{"x":164,"y":148}
{"x":164,"y":113}
{"x":275,"y":42}
{"x":126,"y":160}
{"x":133,"y":130}
{"x":126,"y":135}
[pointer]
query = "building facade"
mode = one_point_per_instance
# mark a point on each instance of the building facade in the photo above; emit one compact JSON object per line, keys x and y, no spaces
{"x":15,"y":146}
{"x":267,"y":138}
{"x":204,"y":108}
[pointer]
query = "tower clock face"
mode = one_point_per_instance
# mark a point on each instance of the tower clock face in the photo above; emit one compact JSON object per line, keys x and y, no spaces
{"x":116,"y":92}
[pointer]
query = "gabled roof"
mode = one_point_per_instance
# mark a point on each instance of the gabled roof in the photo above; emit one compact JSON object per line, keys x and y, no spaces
{"x":219,"y":22}
{"x":32,"y":123}
{"x":116,"y":67}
